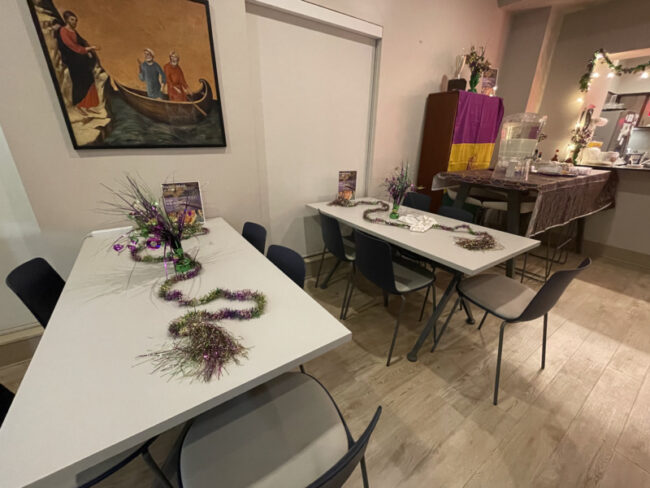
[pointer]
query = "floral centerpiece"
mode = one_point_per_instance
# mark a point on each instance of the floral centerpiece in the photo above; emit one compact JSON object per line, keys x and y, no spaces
{"x":580,"y":137}
{"x":200,"y":346}
{"x":153,"y":227}
{"x":478,"y":64}
{"x":398,"y":185}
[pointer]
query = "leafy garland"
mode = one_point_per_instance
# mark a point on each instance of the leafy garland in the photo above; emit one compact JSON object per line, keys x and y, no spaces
{"x":619,"y":69}
{"x":480,"y":242}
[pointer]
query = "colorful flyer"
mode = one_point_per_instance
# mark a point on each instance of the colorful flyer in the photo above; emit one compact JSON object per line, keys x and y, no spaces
{"x":347,"y":184}
{"x":183,"y":197}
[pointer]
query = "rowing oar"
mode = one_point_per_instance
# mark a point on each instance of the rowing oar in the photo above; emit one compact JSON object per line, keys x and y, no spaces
{"x":196,"y":106}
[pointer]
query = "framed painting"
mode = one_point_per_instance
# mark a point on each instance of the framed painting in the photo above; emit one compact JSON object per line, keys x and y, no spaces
{"x":133,"y":74}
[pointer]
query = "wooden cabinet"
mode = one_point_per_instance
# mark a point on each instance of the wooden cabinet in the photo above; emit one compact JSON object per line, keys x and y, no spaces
{"x":459,"y":132}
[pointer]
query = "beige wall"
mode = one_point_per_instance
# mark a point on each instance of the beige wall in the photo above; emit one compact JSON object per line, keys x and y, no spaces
{"x":420,"y":43}
{"x":524,"y":45}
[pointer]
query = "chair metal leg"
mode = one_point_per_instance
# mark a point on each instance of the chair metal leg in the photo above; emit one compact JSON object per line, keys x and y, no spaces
{"x":348,"y":296}
{"x":523,"y":269}
{"x":496,"y":381}
{"x":364,"y":473}
{"x":302,"y":368}
{"x":482,"y":320}
{"x":544,"y":340}
{"x":392,"y":344}
{"x":468,"y":312}
{"x":444,"y":326}
{"x":345,"y":297}
{"x":156,"y":469}
{"x":385,"y":299}
{"x":320,"y":266}
{"x":433,"y":296}
{"x":329,"y":276}
{"x":424,"y":303}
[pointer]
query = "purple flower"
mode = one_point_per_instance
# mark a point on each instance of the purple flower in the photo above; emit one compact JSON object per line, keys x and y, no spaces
{"x":153,"y":243}
{"x":118,"y":247}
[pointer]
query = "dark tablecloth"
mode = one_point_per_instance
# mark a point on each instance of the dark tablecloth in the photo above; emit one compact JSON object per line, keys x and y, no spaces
{"x":560,"y":199}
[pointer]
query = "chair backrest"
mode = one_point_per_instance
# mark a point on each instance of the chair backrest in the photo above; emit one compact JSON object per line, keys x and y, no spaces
{"x":550,"y":293}
{"x":341,"y":471}
{"x":6,"y":397}
{"x":418,"y":201}
{"x":289,"y":261}
{"x":255,"y":234}
{"x":332,"y":238}
{"x":38,"y":285}
{"x":456,"y":213}
{"x":374,"y":259}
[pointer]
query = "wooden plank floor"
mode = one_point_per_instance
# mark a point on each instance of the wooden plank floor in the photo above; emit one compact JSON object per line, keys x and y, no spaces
{"x":582,"y":421}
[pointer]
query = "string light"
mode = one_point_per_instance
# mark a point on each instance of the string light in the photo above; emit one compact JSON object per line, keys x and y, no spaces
{"x":644,"y":75}
{"x":580,"y":100}
{"x":599,"y":56}
{"x":595,"y":75}
{"x":610,"y":74}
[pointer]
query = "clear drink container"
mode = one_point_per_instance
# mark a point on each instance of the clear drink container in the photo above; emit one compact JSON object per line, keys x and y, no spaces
{"x":519,"y":136}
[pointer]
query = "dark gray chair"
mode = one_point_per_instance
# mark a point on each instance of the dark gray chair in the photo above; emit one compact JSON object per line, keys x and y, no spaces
{"x":339,"y":247}
{"x":255,"y":234}
{"x":289,"y":261}
{"x":394,"y":276}
{"x":513,"y":302}
{"x":38,"y":286}
{"x":418,"y":201}
{"x":286,"y":432}
{"x":456,"y":213}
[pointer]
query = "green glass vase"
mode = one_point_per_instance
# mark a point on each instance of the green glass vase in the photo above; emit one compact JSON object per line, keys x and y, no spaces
{"x":395,"y":213}
{"x":182,"y":262}
{"x":473,"y":80}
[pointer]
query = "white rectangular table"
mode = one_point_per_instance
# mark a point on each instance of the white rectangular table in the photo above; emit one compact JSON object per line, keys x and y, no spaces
{"x":436,"y":245}
{"x":87,"y":396}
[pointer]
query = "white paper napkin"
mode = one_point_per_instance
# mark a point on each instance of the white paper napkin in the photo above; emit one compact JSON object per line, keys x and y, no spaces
{"x":418,"y":223}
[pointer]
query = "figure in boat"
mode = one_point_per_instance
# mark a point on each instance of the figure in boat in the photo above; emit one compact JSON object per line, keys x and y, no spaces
{"x":80,"y":59}
{"x":177,"y":89}
{"x":152,"y":74}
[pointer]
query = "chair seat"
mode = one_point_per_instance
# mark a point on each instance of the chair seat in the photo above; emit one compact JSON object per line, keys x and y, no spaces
{"x":498,"y":294}
{"x":286,"y":432}
{"x":409,"y":277}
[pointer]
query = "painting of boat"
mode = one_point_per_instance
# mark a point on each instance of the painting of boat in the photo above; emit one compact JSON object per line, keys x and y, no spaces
{"x":195,"y":109}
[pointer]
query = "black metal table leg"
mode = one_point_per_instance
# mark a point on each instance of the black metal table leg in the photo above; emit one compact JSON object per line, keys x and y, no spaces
{"x":580,"y":234}
{"x":461,"y":196}
{"x":442,"y":304}
{"x":514,"y":211}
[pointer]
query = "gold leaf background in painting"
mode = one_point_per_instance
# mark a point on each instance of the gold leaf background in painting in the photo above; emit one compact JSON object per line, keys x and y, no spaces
{"x":122,"y":29}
